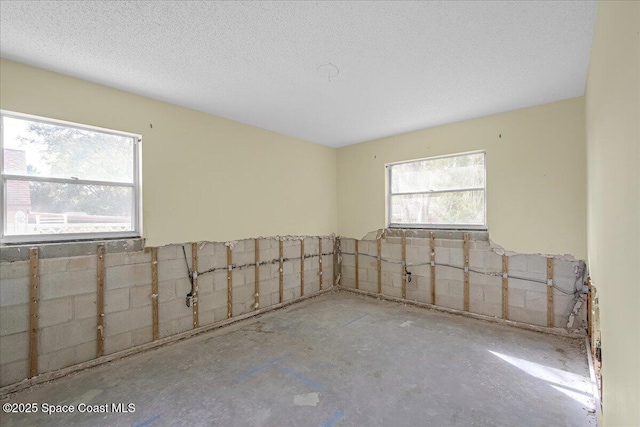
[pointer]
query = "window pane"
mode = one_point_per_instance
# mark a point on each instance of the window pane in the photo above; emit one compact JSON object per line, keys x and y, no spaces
{"x":459,"y":208}
{"x":447,"y":173}
{"x":52,"y":208}
{"x":49,"y":150}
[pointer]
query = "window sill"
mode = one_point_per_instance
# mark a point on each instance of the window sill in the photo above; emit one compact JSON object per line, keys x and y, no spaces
{"x":20,"y":252}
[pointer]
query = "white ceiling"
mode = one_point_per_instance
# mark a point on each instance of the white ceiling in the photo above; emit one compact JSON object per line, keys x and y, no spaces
{"x":395,"y":66}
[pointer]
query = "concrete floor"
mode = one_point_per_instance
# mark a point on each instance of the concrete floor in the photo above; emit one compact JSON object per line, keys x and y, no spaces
{"x":339,"y":359}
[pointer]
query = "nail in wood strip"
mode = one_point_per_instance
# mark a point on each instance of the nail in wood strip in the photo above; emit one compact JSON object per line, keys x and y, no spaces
{"x":320,"y":261}
{"x":302,"y":267}
{"x":357,"y":266}
{"x":379,"y":242}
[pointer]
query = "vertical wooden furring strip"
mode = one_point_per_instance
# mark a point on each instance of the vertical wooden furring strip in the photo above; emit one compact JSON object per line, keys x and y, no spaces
{"x":229,"y":282}
{"x":550,"y":316}
{"x":154,"y":292}
{"x":379,"y":242}
{"x":256,"y":295}
{"x":357,"y":266}
{"x":302,"y":267}
{"x":466,"y":271}
{"x":432,"y":242}
{"x":334,"y":262}
{"x":404,"y":264}
{"x":281,"y":275}
{"x":100,"y":301}
{"x":34,"y":300}
{"x":505,"y":286}
{"x":194,"y":270}
{"x":320,"y":260}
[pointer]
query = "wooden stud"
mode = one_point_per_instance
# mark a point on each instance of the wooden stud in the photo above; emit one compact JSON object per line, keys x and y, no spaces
{"x":357,"y":266}
{"x":229,"y":282}
{"x":281,"y":276}
{"x":379,"y":242}
{"x":194,"y":270}
{"x":432,"y":241}
{"x":320,"y":260}
{"x":404,"y":264}
{"x":466,"y":271}
{"x":34,"y":300}
{"x":505,"y":286}
{"x":154,"y":292}
{"x":302,"y":267}
{"x":256,"y":295}
{"x":101,"y":272}
{"x":550,"y":316}
{"x":334,"y":261}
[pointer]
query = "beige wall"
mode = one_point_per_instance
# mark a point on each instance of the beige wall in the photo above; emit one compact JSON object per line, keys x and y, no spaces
{"x":204,"y":177}
{"x":613,"y":154}
{"x":536,"y":191}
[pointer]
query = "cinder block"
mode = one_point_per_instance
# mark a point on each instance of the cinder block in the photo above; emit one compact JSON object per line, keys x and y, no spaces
{"x":13,"y":372}
{"x":183,"y":287}
{"x":418,"y":242}
{"x":53,"y":265}
{"x":246,"y":258}
{"x":441,"y":255}
{"x":205,"y":283}
{"x":83,"y":263}
{"x":142,"y":336}
{"x":58,"y":285}
{"x":84,"y":306}
{"x":122,"y":321}
{"x":140,"y":296}
{"x":171,"y":269}
{"x":392,"y":252}
{"x":56,"y":360}
{"x":456,"y":257}
{"x":537,"y":264}
{"x":168,"y":328}
{"x":526,"y":285}
{"x":66,"y":335}
{"x":210,"y":301}
{"x":166,"y":290}
{"x":476,"y":293}
{"x":564,"y":270}
{"x":238,"y":278}
{"x":219,"y":248}
{"x":169,"y":252}
{"x":486,"y":308}
{"x":14,"y":347}
{"x":525,"y":315}
{"x":56,"y":311}
{"x":115,"y":343}
{"x":518,"y":263}
{"x":417,"y":255}
{"x":14,"y":291}
{"x":392,"y":291}
{"x":347,"y":245}
{"x":516,"y":297}
{"x":292,"y":250}
{"x":476,"y":259}
{"x":116,"y":300}
{"x":14,"y":319}
{"x":449,"y":301}
{"x":220,"y":281}
{"x":365,"y":285}
{"x":129,"y":275}
{"x":456,"y":288}
{"x":85,"y":351}
{"x":492,"y":294}
{"x":14,"y":270}
{"x":206,"y":317}
{"x":167,"y":311}
{"x":536,"y":301}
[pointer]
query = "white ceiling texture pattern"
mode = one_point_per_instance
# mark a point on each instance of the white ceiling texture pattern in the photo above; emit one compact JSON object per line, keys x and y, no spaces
{"x":336,"y":73}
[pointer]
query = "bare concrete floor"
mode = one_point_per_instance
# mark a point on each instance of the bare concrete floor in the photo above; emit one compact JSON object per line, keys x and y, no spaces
{"x":339,"y":359}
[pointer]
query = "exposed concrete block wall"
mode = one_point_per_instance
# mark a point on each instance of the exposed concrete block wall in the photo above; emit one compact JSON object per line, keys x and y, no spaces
{"x":527,"y":284}
{"x":67,"y":324}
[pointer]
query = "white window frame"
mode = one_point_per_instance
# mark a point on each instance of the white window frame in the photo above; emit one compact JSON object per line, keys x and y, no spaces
{"x":46,"y":238}
{"x":389,"y":194}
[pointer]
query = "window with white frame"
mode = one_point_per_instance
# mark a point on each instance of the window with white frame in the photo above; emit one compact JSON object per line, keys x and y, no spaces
{"x":66,"y":181}
{"x":439,"y":192}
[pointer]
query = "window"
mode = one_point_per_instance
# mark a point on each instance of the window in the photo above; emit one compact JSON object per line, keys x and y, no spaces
{"x":64,"y":181}
{"x":440,"y":192}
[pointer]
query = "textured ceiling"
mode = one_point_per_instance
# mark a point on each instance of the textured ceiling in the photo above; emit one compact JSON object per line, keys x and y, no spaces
{"x":335,"y":73}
